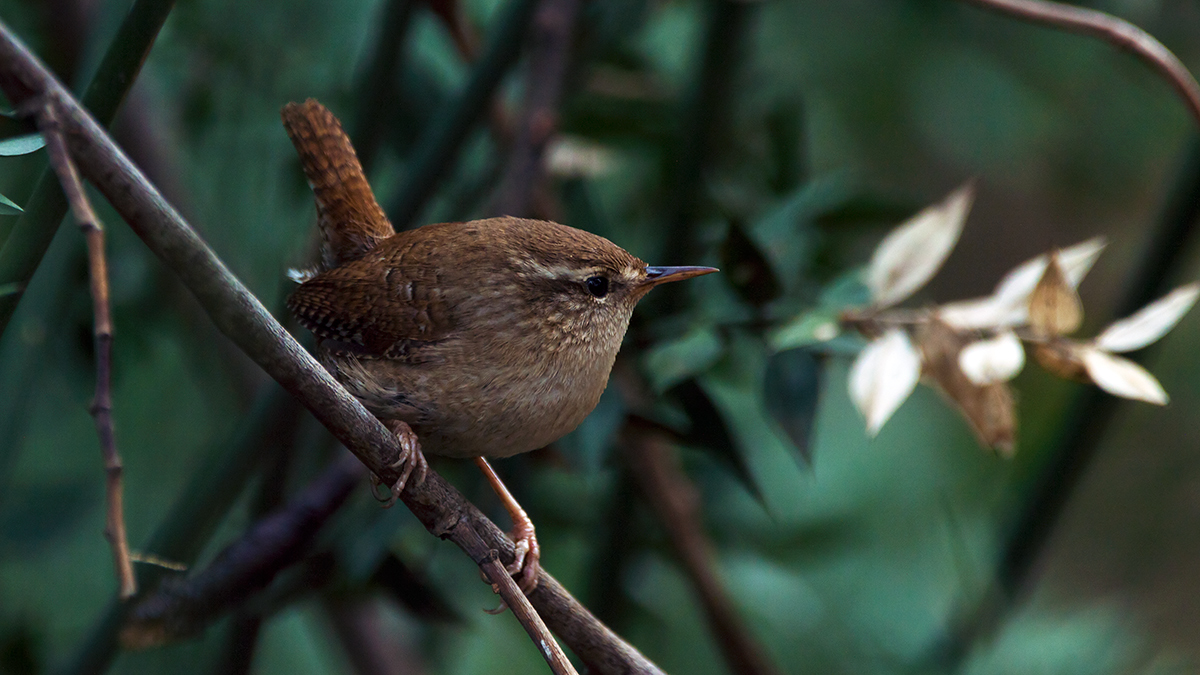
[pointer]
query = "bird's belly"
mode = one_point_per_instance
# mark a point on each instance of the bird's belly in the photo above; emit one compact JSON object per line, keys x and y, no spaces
{"x":493,"y":412}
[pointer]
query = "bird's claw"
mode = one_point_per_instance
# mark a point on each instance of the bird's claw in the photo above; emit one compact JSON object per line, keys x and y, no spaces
{"x":410,"y":463}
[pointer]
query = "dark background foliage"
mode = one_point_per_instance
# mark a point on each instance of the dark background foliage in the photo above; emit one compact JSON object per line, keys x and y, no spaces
{"x":778,"y":140}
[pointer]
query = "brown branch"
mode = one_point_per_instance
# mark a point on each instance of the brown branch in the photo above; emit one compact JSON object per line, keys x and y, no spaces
{"x":1115,"y":31}
{"x":81,"y":209}
{"x":551,"y":38}
{"x":673,"y":499}
{"x":241,"y":317}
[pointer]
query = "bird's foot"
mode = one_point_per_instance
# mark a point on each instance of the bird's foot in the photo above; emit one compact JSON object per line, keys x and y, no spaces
{"x":526,"y":563}
{"x":524,"y":567}
{"x":410,"y":463}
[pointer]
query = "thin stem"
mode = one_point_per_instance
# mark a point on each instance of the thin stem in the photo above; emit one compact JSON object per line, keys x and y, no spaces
{"x":240,"y":316}
{"x":1115,"y":31}
{"x":525,"y":613}
{"x":674,"y":500}
{"x":81,"y":208}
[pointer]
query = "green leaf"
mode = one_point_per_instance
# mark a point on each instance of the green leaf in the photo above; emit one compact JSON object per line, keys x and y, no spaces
{"x":710,"y":430}
{"x":669,"y":363}
{"x":21,"y":145}
{"x":809,"y":328}
{"x":736,"y":386}
{"x":9,"y":208}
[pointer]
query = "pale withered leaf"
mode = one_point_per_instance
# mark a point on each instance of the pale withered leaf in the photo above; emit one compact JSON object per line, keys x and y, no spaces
{"x":989,"y":410}
{"x":1008,"y":305}
{"x":996,"y":359}
{"x":1149,"y":323}
{"x":912,"y":253}
{"x":1062,"y":358}
{"x":883,"y":376}
{"x":1122,"y":377}
{"x":1054,"y":307}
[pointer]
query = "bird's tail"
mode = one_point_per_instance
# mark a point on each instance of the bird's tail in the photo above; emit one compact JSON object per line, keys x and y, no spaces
{"x":351,"y":221}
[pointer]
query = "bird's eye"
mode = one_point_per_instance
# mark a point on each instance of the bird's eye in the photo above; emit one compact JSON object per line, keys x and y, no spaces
{"x":597,"y":286}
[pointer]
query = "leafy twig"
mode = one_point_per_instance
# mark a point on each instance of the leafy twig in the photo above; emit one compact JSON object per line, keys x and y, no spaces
{"x":674,"y":500}
{"x":240,"y":316}
{"x":81,"y":208}
{"x":1115,"y":31}
{"x":551,"y":37}
{"x":1086,"y":421}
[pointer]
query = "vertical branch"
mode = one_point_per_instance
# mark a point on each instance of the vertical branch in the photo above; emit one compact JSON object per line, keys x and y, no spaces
{"x":674,"y":500}
{"x":438,"y":150}
{"x":706,"y":116}
{"x":552,"y":37}
{"x":81,"y":209}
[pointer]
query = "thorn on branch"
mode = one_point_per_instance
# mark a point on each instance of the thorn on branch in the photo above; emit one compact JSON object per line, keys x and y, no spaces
{"x":47,"y":116}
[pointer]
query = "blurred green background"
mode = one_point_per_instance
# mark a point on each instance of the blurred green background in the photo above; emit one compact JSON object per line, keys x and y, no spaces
{"x":831,"y":122}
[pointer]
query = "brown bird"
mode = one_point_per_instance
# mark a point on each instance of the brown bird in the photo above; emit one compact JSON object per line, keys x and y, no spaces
{"x":487,"y":338}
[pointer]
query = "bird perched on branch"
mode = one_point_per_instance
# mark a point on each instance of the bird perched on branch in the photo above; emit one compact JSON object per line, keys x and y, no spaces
{"x":480,"y":339}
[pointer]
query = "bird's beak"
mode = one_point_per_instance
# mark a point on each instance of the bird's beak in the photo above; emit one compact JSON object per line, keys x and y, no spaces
{"x":662,"y":275}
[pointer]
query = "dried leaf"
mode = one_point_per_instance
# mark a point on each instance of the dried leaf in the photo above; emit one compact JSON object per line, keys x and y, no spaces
{"x":1062,"y":358}
{"x":912,"y":253}
{"x":1054,"y":307}
{"x":1149,"y":323}
{"x":996,"y":359}
{"x":884,"y":374}
{"x":989,"y":409}
{"x":1122,"y":377}
{"x":1008,"y":305}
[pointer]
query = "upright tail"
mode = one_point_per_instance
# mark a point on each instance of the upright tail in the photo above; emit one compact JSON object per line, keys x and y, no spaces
{"x":350,"y":219}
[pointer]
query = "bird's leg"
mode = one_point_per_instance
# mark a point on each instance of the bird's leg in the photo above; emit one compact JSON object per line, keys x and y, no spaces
{"x":410,"y":463}
{"x":525,"y":566}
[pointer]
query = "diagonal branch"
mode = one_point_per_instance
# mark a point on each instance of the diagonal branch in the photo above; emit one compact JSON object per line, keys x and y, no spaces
{"x":81,"y":209}
{"x":1117,"y":32}
{"x":241,"y":317}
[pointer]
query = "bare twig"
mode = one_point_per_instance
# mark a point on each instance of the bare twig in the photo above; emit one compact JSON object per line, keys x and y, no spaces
{"x":552,"y":37}
{"x":1115,"y":31}
{"x":183,"y":607}
{"x":519,"y":604}
{"x":81,"y":209}
{"x":673,"y":498}
{"x":240,"y":316}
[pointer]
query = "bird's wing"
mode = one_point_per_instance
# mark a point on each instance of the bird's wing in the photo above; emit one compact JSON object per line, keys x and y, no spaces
{"x":377,"y":307}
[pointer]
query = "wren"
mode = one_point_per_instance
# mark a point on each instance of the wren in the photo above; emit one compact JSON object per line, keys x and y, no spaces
{"x":486,"y":338}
